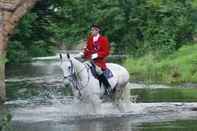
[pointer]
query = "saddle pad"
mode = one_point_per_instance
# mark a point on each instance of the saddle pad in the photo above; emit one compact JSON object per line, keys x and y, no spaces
{"x":108,"y":74}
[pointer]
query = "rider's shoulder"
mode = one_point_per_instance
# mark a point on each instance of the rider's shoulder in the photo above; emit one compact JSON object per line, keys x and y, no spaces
{"x":104,"y":38}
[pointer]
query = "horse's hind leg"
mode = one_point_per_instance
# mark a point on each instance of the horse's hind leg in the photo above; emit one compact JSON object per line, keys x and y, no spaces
{"x":121,"y":97}
{"x":125,"y":94}
{"x":122,"y":93}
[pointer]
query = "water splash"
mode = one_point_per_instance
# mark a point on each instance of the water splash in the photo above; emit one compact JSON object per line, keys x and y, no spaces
{"x":50,"y":105}
{"x":69,"y":109}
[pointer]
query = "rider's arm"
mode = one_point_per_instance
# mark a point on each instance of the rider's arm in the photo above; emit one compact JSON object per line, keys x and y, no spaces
{"x":87,"y":50}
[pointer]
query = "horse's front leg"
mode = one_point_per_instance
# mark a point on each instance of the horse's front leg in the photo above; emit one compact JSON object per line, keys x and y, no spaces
{"x":96,"y":103}
{"x":76,"y":93}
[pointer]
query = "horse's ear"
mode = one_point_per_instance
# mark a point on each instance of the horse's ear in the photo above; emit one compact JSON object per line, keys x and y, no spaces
{"x":68,"y":55}
{"x":60,"y":56}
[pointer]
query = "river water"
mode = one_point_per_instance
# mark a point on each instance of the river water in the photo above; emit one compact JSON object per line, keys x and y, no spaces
{"x":38,"y":100}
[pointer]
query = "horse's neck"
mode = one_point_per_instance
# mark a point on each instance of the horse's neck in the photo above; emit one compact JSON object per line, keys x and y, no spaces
{"x":80,"y":68}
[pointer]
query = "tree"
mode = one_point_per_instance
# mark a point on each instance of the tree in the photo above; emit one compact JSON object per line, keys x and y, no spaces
{"x":11,"y":12}
{"x":136,"y":27}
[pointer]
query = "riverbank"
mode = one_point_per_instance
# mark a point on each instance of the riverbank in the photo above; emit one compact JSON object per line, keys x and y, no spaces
{"x":179,"y":67}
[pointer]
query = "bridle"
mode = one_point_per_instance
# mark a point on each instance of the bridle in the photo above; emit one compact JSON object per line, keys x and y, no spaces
{"x":74,"y":79}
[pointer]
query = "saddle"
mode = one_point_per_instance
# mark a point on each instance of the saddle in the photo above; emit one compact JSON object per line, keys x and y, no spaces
{"x":103,"y":77}
{"x":107,"y":72}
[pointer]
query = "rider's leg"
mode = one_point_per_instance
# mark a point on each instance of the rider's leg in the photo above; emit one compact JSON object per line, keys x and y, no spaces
{"x":102,"y":78}
{"x":106,"y":84}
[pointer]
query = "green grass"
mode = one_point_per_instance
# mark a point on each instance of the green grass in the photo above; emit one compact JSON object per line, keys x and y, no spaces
{"x":179,"y":67}
{"x":194,"y":3}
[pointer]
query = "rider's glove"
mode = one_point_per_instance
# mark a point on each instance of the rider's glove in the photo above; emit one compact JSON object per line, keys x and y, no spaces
{"x":80,"y":55}
{"x":94,"y":56}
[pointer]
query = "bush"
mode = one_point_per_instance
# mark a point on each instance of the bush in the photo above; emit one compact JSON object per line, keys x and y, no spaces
{"x":17,"y":52}
{"x":40,"y":48}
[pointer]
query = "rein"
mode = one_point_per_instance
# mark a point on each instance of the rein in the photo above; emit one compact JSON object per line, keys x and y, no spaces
{"x":75,"y":81}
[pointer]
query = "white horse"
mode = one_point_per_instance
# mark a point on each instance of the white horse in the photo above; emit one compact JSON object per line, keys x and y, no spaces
{"x":86,"y":86}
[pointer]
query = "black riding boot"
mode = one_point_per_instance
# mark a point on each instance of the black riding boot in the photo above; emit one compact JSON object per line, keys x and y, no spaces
{"x":103,"y":80}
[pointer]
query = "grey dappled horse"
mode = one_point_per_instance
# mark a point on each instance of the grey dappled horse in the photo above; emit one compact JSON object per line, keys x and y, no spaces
{"x":86,"y":86}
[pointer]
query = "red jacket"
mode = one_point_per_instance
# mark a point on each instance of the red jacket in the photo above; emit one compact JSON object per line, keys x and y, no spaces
{"x":101,"y":47}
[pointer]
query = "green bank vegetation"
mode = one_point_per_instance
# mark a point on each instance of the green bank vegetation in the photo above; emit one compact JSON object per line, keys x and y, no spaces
{"x":179,"y":67}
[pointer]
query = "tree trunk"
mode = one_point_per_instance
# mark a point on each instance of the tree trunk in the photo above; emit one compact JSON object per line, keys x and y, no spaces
{"x":10,"y":13}
{"x":3,"y":41}
{"x":2,"y":77}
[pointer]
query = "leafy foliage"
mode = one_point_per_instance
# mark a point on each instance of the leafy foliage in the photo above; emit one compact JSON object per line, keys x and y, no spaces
{"x":136,"y":27}
{"x":31,"y":37}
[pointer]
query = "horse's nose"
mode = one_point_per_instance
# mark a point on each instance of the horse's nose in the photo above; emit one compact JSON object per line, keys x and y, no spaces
{"x":65,"y":77}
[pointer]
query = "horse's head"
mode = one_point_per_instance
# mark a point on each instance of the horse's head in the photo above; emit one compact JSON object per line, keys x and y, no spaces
{"x":66,"y":65}
{"x":74,"y":73}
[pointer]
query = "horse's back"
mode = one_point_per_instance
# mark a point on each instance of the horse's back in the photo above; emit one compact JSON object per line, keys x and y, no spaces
{"x":119,"y":71}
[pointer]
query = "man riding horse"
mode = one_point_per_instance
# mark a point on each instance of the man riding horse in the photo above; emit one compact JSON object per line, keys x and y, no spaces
{"x":97,"y":49}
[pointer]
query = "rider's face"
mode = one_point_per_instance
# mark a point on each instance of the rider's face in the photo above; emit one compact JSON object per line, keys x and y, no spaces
{"x":94,"y":31}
